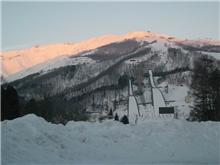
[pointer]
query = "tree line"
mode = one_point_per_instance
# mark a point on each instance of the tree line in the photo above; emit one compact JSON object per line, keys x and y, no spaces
{"x":52,"y":109}
{"x":205,"y":87}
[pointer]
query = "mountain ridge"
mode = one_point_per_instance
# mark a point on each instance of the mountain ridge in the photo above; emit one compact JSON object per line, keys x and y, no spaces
{"x":19,"y":60}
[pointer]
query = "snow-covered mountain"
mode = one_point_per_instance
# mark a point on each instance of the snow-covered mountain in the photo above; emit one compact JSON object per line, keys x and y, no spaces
{"x":18,"y":61}
{"x":76,"y":69}
{"x":87,"y":81}
{"x":92,"y":73}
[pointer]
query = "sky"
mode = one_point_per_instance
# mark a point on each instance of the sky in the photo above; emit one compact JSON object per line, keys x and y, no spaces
{"x":25,"y":24}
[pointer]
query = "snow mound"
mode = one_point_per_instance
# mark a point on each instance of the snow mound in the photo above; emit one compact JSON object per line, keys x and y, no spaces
{"x":32,"y":140}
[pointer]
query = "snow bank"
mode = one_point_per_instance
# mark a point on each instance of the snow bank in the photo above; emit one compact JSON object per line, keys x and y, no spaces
{"x":32,"y":140}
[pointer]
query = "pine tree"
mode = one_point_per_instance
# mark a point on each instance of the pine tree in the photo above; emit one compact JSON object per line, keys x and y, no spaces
{"x":215,"y":88}
{"x":116,"y":117}
{"x":10,"y":107}
{"x":123,"y":81}
{"x":205,"y":87}
{"x":110,"y":114}
{"x":124,"y":120}
{"x":31,"y":107}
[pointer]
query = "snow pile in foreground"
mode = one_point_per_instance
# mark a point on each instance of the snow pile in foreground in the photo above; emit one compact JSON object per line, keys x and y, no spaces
{"x":32,"y":140}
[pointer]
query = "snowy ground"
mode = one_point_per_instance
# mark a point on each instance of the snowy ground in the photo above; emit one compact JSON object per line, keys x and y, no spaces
{"x":32,"y":140}
{"x":178,"y":94}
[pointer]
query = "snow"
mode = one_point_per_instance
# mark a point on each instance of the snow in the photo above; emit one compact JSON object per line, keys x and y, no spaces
{"x":134,"y":61}
{"x":89,"y":53}
{"x":158,"y":100}
{"x":138,"y":60}
{"x":130,"y":88}
{"x":159,"y":46}
{"x":32,"y":140}
{"x":213,"y":54}
{"x":179,"y":95}
{"x":52,"y":64}
{"x":151,"y":78}
{"x":132,"y":106}
{"x":133,"y":110}
{"x":19,"y":60}
{"x":201,"y":42}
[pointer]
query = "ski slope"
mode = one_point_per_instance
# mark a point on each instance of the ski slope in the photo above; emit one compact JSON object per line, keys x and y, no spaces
{"x":133,"y":111}
{"x":158,"y":100}
{"x":32,"y":140}
{"x":151,"y":79}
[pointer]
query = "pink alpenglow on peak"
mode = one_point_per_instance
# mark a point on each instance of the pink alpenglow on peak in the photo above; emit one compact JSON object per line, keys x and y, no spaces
{"x":19,"y":60}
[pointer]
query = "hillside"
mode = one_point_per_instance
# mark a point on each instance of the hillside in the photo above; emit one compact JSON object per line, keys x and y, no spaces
{"x":19,"y":60}
{"x":89,"y":80}
{"x":70,"y":107}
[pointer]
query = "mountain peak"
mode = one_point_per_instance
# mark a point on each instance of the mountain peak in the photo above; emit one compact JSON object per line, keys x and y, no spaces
{"x":148,"y":34}
{"x":16,"y":61}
